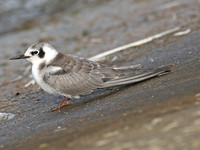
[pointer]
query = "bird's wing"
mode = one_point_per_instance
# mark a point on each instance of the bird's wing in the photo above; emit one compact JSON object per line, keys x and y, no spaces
{"x":78,"y":76}
{"x":129,"y":74}
{"x":73,"y":76}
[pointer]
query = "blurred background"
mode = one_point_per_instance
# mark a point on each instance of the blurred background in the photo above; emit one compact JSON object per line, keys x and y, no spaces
{"x":162,"y":113}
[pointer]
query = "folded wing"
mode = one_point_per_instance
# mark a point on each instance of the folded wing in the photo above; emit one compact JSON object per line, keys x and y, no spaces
{"x":78,"y":76}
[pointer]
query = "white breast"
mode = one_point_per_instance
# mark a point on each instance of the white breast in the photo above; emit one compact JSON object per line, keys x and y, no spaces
{"x":38,"y":76}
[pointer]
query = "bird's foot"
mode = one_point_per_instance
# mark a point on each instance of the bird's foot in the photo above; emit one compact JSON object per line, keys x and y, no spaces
{"x":61,"y":105}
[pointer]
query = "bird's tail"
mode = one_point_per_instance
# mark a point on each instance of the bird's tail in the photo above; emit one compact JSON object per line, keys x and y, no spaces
{"x":133,"y":74}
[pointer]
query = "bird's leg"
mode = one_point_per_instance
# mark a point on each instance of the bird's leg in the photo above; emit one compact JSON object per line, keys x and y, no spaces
{"x":66,"y":103}
{"x":61,"y":104}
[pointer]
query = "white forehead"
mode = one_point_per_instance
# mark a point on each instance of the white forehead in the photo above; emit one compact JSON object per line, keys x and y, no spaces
{"x":45,"y":46}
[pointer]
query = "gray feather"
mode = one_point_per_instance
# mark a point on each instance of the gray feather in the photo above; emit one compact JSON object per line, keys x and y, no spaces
{"x":136,"y":75}
{"x":78,"y":76}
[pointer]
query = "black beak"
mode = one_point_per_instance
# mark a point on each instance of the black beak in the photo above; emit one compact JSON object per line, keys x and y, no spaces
{"x":19,"y":57}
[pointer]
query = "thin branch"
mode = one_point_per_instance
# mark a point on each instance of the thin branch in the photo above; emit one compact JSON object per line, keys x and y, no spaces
{"x":101,"y":56}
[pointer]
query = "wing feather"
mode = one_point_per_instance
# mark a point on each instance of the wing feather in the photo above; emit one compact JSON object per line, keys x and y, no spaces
{"x":76,"y":77}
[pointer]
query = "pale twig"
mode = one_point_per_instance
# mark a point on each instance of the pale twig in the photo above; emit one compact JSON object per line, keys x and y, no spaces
{"x":17,"y":78}
{"x":182,"y":32}
{"x":134,"y":44}
{"x":32,"y":82}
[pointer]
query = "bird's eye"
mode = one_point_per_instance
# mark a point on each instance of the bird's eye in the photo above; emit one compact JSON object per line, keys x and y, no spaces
{"x":34,"y":52}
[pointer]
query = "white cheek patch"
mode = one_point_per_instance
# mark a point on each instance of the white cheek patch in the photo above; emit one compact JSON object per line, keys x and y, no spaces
{"x":50,"y":53}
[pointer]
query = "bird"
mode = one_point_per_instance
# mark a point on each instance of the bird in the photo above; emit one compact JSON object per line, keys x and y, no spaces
{"x":72,"y":76}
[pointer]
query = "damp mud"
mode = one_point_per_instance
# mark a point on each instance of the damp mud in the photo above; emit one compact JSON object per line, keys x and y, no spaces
{"x":160,"y":113}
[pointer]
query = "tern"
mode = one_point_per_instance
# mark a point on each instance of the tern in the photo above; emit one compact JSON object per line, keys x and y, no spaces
{"x":73,"y":76}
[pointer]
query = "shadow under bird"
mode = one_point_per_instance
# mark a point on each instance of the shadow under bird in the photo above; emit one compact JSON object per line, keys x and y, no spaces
{"x":72,"y":76}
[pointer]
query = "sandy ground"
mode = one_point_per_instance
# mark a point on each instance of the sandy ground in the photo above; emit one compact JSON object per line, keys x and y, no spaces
{"x":161,"y":113}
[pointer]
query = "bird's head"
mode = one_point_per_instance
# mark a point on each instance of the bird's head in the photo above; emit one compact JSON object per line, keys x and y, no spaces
{"x":38,"y":53}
